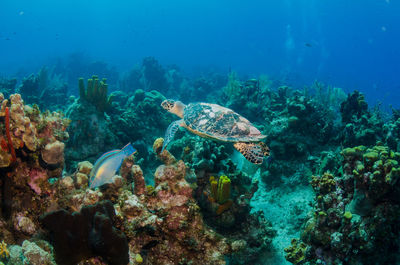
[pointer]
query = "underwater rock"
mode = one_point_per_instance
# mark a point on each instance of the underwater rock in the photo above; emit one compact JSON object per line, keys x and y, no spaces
{"x":354,"y":106}
{"x":90,"y":134}
{"x":86,"y":234}
{"x":53,"y":153}
{"x":36,"y":255}
{"x":24,"y":225}
{"x":360,"y":125}
{"x":138,"y":180}
{"x":86,"y":198}
{"x":142,"y":111}
{"x":85,"y":167}
{"x":81,"y":176}
{"x":67,"y":183}
{"x":165,"y":156}
{"x":16,"y":255}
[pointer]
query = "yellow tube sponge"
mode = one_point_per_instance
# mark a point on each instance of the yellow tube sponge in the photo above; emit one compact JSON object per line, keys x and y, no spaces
{"x":214,"y":188}
{"x":224,"y":189}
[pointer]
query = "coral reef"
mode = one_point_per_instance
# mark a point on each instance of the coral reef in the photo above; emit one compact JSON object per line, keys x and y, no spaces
{"x":46,"y":89}
{"x":203,"y":155}
{"x":360,"y":125}
{"x":27,"y":170}
{"x":355,"y":213}
{"x":132,"y":116}
{"x":7,"y":86}
{"x":156,"y":219}
{"x":225,"y":203}
{"x":141,"y":111}
{"x":37,"y":252}
{"x":27,"y":133}
{"x":90,"y":126}
{"x":200,"y":202}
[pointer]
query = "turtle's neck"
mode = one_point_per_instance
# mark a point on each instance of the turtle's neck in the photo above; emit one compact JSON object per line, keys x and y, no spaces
{"x":178,"y":109}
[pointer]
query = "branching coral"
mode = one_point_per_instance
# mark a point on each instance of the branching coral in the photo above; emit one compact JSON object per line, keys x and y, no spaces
{"x":4,"y":253}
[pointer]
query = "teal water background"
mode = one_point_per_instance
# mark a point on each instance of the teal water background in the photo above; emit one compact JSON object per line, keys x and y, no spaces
{"x":350,"y":44}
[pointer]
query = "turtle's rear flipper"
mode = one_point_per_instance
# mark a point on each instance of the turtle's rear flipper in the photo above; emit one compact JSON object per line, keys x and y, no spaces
{"x":169,"y":134}
{"x":254,"y":152}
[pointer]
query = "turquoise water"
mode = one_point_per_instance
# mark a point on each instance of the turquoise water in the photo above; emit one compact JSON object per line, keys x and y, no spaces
{"x":353,"y":45}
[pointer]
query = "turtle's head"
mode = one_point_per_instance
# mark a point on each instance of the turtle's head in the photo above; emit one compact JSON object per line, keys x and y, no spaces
{"x":174,"y":106}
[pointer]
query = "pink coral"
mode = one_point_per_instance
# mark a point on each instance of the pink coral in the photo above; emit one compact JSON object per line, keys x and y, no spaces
{"x":37,"y":178}
{"x":24,"y":224}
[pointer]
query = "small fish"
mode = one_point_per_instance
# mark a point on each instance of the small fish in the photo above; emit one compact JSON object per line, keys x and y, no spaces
{"x":107,"y":165}
{"x":307,"y":44}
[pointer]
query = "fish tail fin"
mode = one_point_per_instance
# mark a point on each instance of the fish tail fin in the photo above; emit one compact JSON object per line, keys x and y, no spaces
{"x":128,"y":149}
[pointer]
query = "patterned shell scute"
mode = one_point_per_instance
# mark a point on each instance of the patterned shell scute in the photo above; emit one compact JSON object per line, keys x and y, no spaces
{"x":220,"y":123}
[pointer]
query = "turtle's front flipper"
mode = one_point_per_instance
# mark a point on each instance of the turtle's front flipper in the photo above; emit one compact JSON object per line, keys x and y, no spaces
{"x":254,"y":152}
{"x":169,"y":134}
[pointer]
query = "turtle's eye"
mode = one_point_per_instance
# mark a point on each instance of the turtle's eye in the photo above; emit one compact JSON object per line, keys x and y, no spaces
{"x":168,"y":104}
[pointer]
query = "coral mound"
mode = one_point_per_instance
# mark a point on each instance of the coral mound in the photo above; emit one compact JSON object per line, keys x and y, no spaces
{"x":355,"y":213}
{"x":86,"y":234}
{"x":164,"y":225}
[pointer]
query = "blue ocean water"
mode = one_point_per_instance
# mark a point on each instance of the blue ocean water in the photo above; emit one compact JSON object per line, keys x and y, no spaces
{"x":348,"y":44}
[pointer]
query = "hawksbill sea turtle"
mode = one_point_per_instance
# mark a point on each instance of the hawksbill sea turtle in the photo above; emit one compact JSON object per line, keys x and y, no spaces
{"x":215,"y":122}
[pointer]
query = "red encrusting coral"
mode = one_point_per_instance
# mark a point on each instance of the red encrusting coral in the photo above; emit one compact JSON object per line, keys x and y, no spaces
{"x":10,"y":144}
{"x":4,"y":144}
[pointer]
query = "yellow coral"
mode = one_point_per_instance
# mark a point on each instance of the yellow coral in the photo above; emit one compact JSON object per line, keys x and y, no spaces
{"x":223,"y":207}
{"x":138,"y":258}
{"x":353,"y":152}
{"x":296,"y":252}
{"x":326,"y":183}
{"x":3,"y":250}
{"x":220,"y":189}
{"x":150,"y":190}
{"x":157,"y":145}
{"x":224,"y":189}
{"x":166,"y":157}
{"x":214,"y":188}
